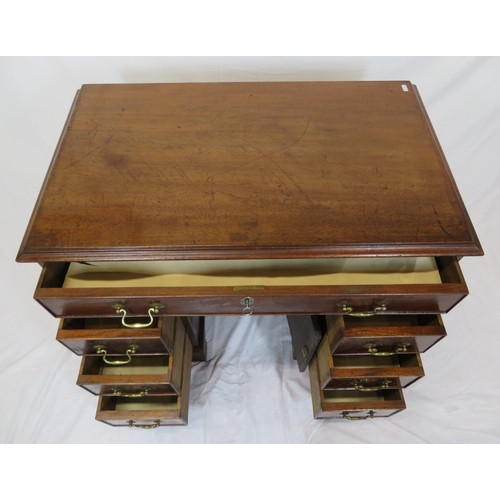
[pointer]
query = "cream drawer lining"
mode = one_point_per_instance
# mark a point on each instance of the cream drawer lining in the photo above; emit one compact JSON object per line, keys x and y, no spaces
{"x":161,"y":403}
{"x":140,"y":365}
{"x":269,"y":272}
{"x":352,"y":396}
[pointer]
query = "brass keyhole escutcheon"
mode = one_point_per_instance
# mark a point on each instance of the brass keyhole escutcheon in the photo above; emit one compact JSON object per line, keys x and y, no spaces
{"x":247,"y":302}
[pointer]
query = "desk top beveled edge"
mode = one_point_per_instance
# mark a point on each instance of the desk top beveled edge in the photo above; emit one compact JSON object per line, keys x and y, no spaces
{"x":51,"y":234}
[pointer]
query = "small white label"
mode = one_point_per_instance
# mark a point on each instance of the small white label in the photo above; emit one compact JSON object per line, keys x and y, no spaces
{"x":404,"y":87}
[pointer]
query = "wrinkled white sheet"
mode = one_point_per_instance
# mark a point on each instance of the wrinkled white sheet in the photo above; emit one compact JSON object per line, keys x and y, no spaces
{"x":250,"y":390}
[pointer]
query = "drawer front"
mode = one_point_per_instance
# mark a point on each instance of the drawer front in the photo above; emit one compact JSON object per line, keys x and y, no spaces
{"x":352,"y":404}
{"x":187,"y":301}
{"x":406,"y":367}
{"x":339,"y":369}
{"x":149,"y":412}
{"x":134,"y":376}
{"x":81,"y":335}
{"x":383,"y":335}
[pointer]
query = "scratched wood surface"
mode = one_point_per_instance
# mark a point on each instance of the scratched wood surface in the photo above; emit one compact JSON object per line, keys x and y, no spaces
{"x":247,"y":170}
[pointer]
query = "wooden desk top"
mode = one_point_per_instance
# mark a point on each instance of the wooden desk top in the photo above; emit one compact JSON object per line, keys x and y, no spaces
{"x":247,"y":170}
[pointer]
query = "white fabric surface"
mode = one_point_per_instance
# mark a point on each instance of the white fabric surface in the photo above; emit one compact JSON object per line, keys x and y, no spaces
{"x":250,"y":390}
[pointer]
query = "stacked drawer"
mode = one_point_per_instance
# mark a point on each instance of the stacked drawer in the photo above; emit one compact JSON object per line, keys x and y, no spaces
{"x":140,"y":373}
{"x":363,"y":363}
{"x":362,"y":340}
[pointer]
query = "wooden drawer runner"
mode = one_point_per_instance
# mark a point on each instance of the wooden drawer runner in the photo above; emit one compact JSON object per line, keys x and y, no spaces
{"x":81,"y":335}
{"x":352,"y":404}
{"x":137,"y":376}
{"x":149,"y":411}
{"x":383,"y":334}
{"x":429,"y":298}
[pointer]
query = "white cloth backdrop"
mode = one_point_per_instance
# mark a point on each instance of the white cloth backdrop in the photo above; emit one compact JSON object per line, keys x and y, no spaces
{"x":250,"y":390}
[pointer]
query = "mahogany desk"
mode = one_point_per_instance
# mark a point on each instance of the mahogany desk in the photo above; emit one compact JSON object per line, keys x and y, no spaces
{"x":327,"y":202}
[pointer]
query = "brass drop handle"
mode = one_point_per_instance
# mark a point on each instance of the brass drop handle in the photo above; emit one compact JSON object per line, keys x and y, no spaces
{"x":129,"y":395}
{"x":345,"y":414}
{"x":152,"y":426}
{"x":360,"y":387}
{"x":348,"y":310}
{"x":154,"y":308}
{"x":102,"y":350}
{"x":372,"y":349}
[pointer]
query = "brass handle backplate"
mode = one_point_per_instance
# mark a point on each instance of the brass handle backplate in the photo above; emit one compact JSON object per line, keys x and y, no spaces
{"x":372,"y":349}
{"x":349,"y":311}
{"x":131,"y":395}
{"x":360,"y":387}
{"x":152,"y":426}
{"x":154,"y":308}
{"x":101,"y":349}
{"x":345,"y":414}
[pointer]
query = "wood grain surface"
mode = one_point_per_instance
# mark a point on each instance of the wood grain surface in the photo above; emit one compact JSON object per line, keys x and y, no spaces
{"x":247,"y":170}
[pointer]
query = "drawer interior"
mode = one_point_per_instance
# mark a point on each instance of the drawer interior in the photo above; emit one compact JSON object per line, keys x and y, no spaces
{"x":205,"y":295}
{"x":383,"y":333}
{"x":369,"y":361}
{"x":266,"y":272}
{"x":159,"y":403}
{"x":350,"y":396}
{"x":340,"y":402}
{"x":370,"y":384}
{"x":139,"y":365}
{"x":102,"y":323}
{"x":82,"y":335}
{"x":380,"y":321}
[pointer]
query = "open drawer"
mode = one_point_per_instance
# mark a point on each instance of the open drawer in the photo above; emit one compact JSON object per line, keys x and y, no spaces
{"x":383,"y":334}
{"x":135,"y":376}
{"x":335,"y":369}
{"x":149,"y":411}
{"x":81,"y":335}
{"x":281,"y":286}
{"x":353,"y":404}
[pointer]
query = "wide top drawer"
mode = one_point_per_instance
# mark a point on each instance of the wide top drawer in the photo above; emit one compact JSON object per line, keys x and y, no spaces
{"x":281,"y":292}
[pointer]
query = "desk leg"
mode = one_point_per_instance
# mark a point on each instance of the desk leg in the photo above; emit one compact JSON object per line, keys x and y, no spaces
{"x":306,"y":335}
{"x":195,"y":328}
